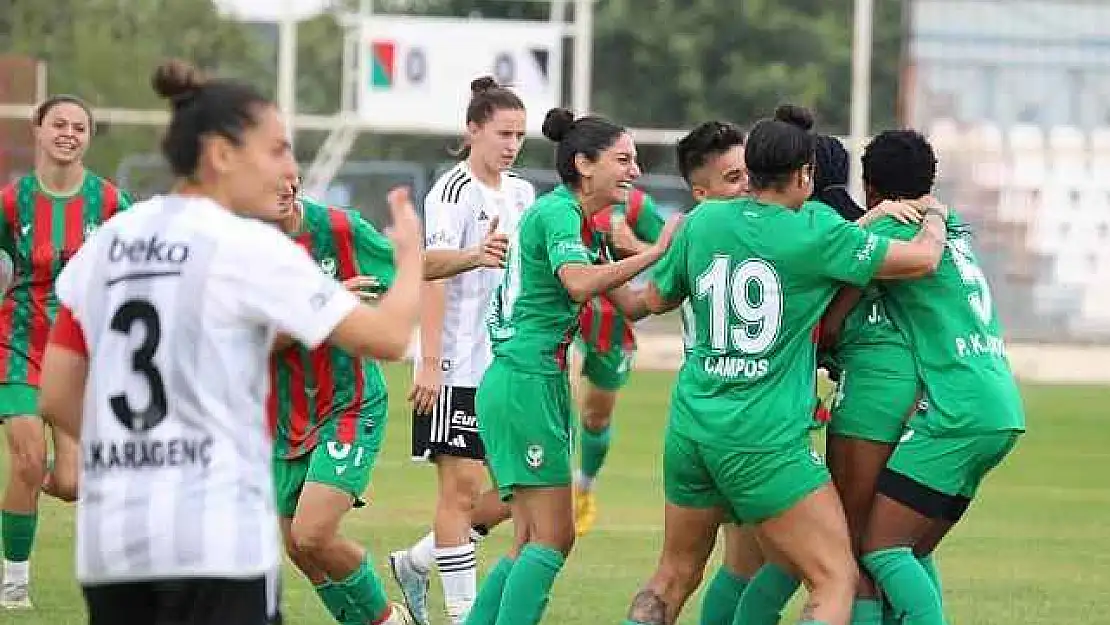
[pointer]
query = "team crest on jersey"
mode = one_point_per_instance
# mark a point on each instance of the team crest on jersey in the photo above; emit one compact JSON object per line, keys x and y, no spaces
{"x":534,"y":457}
{"x":328,"y":265}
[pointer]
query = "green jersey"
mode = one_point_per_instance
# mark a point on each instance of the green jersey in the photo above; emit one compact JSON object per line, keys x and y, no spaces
{"x":532,"y":318}
{"x":867,"y":330}
{"x":326,"y":387}
{"x":951,"y":323}
{"x":602,"y":324}
{"x":759,"y":277}
{"x":41,"y":232}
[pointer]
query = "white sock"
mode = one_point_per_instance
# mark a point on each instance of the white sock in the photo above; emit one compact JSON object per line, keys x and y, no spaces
{"x":422,"y":554}
{"x":17,"y":572}
{"x":583,"y":483}
{"x":459,"y":574}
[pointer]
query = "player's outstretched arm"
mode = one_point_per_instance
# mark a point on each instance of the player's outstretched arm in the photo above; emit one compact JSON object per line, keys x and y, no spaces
{"x":921,"y":255}
{"x":444,"y":263}
{"x":585,"y":281}
{"x":384,"y":331}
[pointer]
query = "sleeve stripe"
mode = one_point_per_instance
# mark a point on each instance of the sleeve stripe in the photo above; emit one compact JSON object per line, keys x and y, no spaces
{"x":457,"y":193}
{"x":453,"y":186}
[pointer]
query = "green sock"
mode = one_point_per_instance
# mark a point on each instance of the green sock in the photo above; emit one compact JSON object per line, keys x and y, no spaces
{"x":488,"y":602}
{"x":595,"y":446}
{"x":338,"y":604}
{"x":18,"y":533}
{"x":766,"y":596}
{"x":906,"y":585}
{"x":718,"y":604}
{"x":930,"y":567}
{"x":364,"y":591}
{"x":867,"y":612}
{"x":529,"y":585}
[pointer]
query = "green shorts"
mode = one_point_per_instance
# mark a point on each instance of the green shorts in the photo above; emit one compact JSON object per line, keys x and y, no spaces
{"x":750,"y":487}
{"x":607,"y":370}
{"x":953,"y":465}
{"x":872,"y":405}
{"x":526,"y":426}
{"x":18,"y":400}
{"x":345,"y":467}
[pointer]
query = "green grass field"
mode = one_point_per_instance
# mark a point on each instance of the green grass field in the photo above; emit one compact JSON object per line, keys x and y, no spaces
{"x":1034,"y":550}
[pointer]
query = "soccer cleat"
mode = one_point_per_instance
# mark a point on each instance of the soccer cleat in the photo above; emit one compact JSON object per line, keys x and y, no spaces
{"x":413,"y":584}
{"x":585,"y":511}
{"x":15,"y":596}
{"x":399,"y":615}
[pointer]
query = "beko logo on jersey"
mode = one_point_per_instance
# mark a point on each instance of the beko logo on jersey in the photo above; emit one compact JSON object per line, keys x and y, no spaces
{"x":147,"y":454}
{"x":148,"y":251}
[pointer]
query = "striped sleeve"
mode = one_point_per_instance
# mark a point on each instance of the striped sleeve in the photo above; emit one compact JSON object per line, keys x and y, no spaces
{"x":446,"y":220}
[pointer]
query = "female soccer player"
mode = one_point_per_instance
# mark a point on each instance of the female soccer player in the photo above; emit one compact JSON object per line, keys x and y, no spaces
{"x":759,"y":277}
{"x":607,"y":346}
{"x":877,"y":387}
{"x":469,"y":213}
{"x":972,"y":415}
{"x":159,"y":359}
{"x":44,"y":217}
{"x":327,"y":413}
{"x":524,"y":396}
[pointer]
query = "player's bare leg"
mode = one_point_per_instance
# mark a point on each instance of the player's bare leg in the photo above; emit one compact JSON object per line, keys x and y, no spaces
{"x":460,"y":482}
{"x":331,"y":559}
{"x":688,"y":538}
{"x":813,"y":537}
{"x":597,"y":415}
{"x":855,"y":465}
{"x":27,"y":455}
{"x":61,"y":480}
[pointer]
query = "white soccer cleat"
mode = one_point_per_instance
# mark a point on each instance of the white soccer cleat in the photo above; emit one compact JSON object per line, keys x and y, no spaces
{"x":414,"y":586}
{"x":15,"y":596}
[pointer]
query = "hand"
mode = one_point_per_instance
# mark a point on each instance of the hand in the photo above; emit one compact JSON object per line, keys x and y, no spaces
{"x":405,"y":230}
{"x":905,"y":211}
{"x":364,"y":287}
{"x":669,"y":228}
{"x":932,"y":203}
{"x":426,"y":387}
{"x":624,"y":238}
{"x":493,"y":249}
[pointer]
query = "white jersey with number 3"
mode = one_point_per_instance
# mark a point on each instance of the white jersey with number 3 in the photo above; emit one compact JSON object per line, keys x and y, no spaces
{"x":458,"y":212}
{"x":179,"y":302}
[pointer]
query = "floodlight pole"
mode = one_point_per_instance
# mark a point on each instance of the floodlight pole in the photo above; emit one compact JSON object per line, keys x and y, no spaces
{"x":583,"y":56}
{"x":287,"y":66}
{"x":862,"y":42}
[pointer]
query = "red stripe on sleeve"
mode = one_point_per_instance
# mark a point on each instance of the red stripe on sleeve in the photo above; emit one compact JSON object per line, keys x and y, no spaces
{"x":67,"y":332}
{"x":635,"y":206}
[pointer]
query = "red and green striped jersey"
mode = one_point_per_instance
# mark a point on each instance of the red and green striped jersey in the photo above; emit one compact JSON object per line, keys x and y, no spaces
{"x":42,"y":231}
{"x":601,"y":324}
{"x":326,"y":390}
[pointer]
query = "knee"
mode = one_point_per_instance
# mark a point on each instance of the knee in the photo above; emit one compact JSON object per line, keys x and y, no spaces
{"x":839,"y":572}
{"x":596,"y":415}
{"x":28,"y":462}
{"x":308,"y":539}
{"x":63,"y":486}
{"x":460,"y":492}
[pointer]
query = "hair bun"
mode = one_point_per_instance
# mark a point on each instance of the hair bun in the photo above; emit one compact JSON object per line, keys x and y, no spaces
{"x":557,"y":124}
{"x":483,"y":84}
{"x":795,"y":115}
{"x":176,"y":80}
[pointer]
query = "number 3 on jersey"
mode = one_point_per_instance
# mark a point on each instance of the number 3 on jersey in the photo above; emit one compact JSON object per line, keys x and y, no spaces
{"x":745,"y":305}
{"x":132,"y":313}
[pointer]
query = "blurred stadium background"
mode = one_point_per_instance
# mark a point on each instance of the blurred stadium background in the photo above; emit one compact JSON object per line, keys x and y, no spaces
{"x":1015,"y":95}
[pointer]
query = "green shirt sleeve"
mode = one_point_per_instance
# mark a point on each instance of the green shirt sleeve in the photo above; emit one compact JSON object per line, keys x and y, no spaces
{"x":373,"y":251}
{"x":669,"y":274}
{"x":846,"y":252}
{"x":125,"y":200}
{"x":563,"y":238}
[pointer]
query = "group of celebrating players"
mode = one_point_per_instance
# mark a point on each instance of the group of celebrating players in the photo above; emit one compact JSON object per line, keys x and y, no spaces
{"x":254,"y":300}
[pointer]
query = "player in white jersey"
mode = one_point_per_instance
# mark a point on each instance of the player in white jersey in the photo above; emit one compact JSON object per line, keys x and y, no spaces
{"x":468,"y":214}
{"x":158,"y":363}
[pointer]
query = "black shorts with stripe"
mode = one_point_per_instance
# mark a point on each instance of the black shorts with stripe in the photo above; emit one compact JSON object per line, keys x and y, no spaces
{"x":451,"y":429}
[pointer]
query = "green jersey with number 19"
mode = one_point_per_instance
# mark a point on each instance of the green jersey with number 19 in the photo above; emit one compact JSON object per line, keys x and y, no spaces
{"x":953,"y":327}
{"x":759,"y":276}
{"x":532,"y":318}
